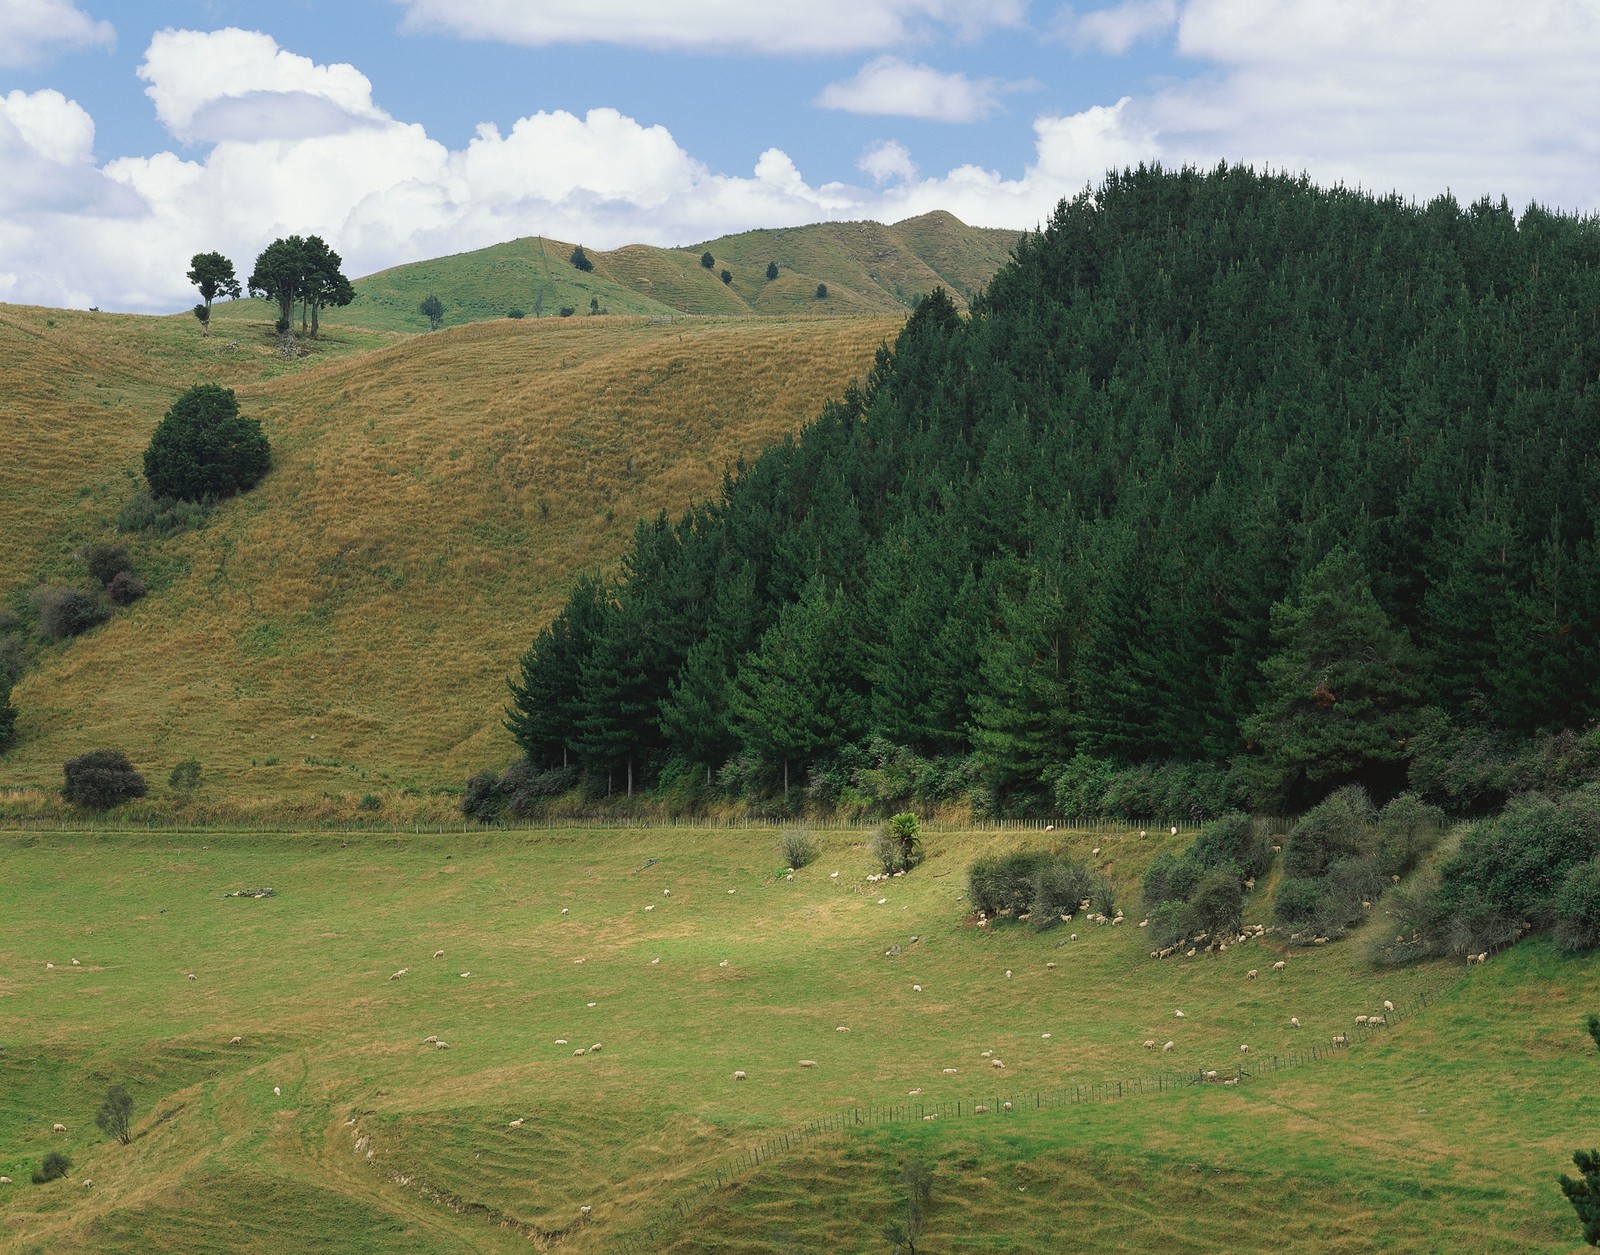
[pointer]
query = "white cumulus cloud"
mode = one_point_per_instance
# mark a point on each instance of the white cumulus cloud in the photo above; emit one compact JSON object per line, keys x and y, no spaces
{"x":237,"y":84}
{"x":888,"y":85}
{"x":766,"y":26}
{"x":30,"y":29}
{"x":888,"y":160}
{"x":1119,"y":27}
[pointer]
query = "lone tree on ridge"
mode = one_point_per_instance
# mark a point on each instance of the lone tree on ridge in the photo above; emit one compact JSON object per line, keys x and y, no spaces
{"x":213,"y":274}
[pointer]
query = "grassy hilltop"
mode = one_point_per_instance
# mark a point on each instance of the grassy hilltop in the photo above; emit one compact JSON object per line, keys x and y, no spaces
{"x":346,"y":627}
{"x":335,"y":1125}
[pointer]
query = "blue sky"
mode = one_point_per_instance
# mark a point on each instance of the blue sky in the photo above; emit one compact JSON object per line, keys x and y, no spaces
{"x":134,"y":133}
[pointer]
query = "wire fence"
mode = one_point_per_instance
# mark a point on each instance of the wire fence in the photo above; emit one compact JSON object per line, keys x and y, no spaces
{"x":1000,"y":1104}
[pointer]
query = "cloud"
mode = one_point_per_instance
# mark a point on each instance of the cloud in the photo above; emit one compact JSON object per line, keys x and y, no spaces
{"x":899,"y":88}
{"x":887,"y":160}
{"x":30,"y":28}
{"x":771,"y":26}
{"x":1118,"y":28}
{"x":209,"y":86}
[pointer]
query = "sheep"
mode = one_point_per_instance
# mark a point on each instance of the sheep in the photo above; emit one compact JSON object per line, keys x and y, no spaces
{"x":59,"y":1128}
{"x":441,"y":1045}
{"x":235,"y":1041}
{"x":1387,"y":1005}
{"x":738,"y":1076}
{"x":1149,"y":1043}
{"x":75,"y":963}
{"x":1167,"y":1049}
{"x":1008,"y":973}
{"x":1005,"y":1106}
{"x":841,"y":1029}
{"x":5,"y":1180}
{"x":1251,"y":974}
{"x":724,"y":963}
{"x":191,"y":976}
{"x":916,"y":989}
{"x":980,"y":1110}
{"x":733,"y":891}
{"x":1341,"y":1039}
{"x":560,"y":1041}
{"x":1044,"y":1036}
{"x":433,"y":1039}
{"x":464,"y":975}
{"x":1279,"y":966}
{"x":997,"y":1063}
{"x":400,"y":973}
{"x":50,"y":967}
{"x":950,"y":1071}
{"x":517,"y":1123}
{"x":579,"y":960}
{"x":808,"y":1063}
{"x":1232,"y":1080}
{"x":578,"y":1052}
{"x":913,"y":1093}
{"x":563,"y":910}
{"x":585,"y":1211}
{"x":1050,"y":966}
{"x":1361,"y":1019}
{"x":1210,"y":1075}
{"x":986,"y":1054}
{"x":927,"y":1119}
{"x":1189,"y":953}
{"x":1245,"y":1049}
{"x":438,"y":954}
{"x":1294,"y":1021}
{"x":277,"y":1091}
{"x":1177,"y":1015}
{"x":650,"y":906}
{"x":654,"y":962}
{"x":1096,"y":850}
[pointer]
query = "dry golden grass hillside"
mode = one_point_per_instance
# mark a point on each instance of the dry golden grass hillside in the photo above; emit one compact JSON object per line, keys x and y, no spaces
{"x":346,"y":627}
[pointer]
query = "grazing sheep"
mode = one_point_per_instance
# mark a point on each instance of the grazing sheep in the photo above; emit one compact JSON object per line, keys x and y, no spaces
{"x":913,"y":1093}
{"x":277,"y":1092}
{"x":666,"y":893}
{"x":841,"y":1029}
{"x":432,"y":1039}
{"x":585,"y":1211}
{"x":1232,"y":1080}
{"x":50,"y":967}
{"x":1008,"y":973}
{"x":75,"y":963}
{"x":1044,"y":1036}
{"x":1387,"y":1005}
{"x":1005,"y":1106}
{"x":191,"y":976}
{"x":1096,"y":850}
{"x":653,"y":962}
{"x":980,"y":1110}
{"x":1294,"y":1021}
{"x":235,"y":1041}
{"x":400,"y":973}
{"x":1177,"y":1015}
{"x":517,"y":1123}
{"x":950,"y":1071}
{"x":1341,"y":1039}
{"x":438,"y":954}
{"x":997,"y":1063}
{"x":1251,"y":974}
{"x":577,"y":1052}
{"x":1050,"y":966}
{"x":466,"y":974}
{"x":1244,"y":1050}
{"x":1168,"y":1047}
{"x":441,"y":1045}
{"x":724,"y":963}
{"x":5,"y":1180}
{"x":578,"y":960}
{"x":1149,"y":1043}
{"x":927,"y":1119}
{"x":650,"y":907}
{"x":1189,"y":953}
{"x":1210,"y":1075}
{"x":1361,"y":1019}
{"x":563,"y":910}
{"x":916,"y":989}
{"x":987,"y":1054}
{"x":808,"y":1063}
{"x":738,"y":1076}
{"x":1279,"y":966}
{"x":560,"y":1041}
{"x":733,"y":891}
{"x":59,"y":1128}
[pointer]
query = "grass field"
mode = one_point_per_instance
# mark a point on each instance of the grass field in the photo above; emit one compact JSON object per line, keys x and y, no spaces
{"x":1442,"y":1132}
{"x":345,"y":628}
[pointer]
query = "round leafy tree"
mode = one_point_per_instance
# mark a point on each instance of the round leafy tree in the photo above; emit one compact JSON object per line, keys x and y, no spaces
{"x":101,"y":779}
{"x":203,"y":448}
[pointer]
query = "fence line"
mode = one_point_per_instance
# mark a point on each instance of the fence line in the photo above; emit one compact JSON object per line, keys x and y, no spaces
{"x":753,"y":1156}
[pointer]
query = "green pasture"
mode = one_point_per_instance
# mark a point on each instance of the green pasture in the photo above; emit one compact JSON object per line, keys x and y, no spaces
{"x":1445,"y":1131}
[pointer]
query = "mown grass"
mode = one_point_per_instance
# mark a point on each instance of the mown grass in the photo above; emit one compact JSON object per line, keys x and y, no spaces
{"x":346,"y":627}
{"x":1444,"y":1131}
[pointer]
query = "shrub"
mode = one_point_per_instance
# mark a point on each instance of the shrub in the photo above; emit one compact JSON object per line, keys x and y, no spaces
{"x":822,"y":291}
{"x":1298,"y":900}
{"x":126,"y":588}
{"x":185,"y":776}
{"x":101,"y":779}
{"x":1003,"y":882}
{"x":772,"y":270}
{"x":162,"y":516}
{"x":105,"y":562}
{"x":1583,"y":1192}
{"x":1518,"y":859}
{"x":1103,"y":896}
{"x":370,"y":802}
{"x":514,"y":312}
{"x":1170,"y":878}
{"x":203,"y":448}
{"x":66,"y":612}
{"x":1336,"y":828}
{"x":1474,"y":923}
{"x":799,"y":848}
{"x":55,"y":1166}
{"x":8,"y":715}
{"x":1217,"y":905}
{"x":707,"y":260}
{"x":1060,"y":884}
{"x":432,"y":308}
{"x":112,"y":1118}
{"x":1577,"y":908}
{"x":1408,"y":828}
{"x":884,"y":850}
{"x":1233,"y":839}
{"x":1168,"y":922}
{"x":567,"y":311}
{"x":726,"y":276}
{"x":580,"y":259}
{"x":483,"y":800}
{"x":906,"y":829}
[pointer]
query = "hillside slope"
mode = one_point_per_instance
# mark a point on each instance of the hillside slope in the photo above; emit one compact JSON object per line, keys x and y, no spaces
{"x":347,"y":626}
{"x":867,"y":268}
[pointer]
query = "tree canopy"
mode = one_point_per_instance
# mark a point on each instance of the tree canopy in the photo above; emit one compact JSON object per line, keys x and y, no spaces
{"x":301,"y":270}
{"x":213,"y":274}
{"x":1223,"y":468}
{"x":204,"y":448}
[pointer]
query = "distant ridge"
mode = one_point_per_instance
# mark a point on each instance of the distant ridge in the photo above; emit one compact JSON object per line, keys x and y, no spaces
{"x":866,"y":267}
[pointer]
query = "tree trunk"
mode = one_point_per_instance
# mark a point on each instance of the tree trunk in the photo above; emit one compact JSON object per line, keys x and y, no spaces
{"x":205,"y":323}
{"x":630,"y":775}
{"x":316,"y":308}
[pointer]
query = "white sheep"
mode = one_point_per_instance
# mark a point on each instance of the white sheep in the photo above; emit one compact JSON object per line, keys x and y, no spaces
{"x":1178,"y":1015}
{"x":560,"y":1041}
{"x":1279,"y":966}
{"x":1387,"y":1005}
{"x":841,"y":1029}
{"x":576,"y":1053}
{"x":738,"y":1076}
{"x":666,"y":893}
{"x":191,"y":976}
{"x":1341,"y":1039}
{"x":465,"y":974}
{"x":950,"y":1071}
{"x":50,"y":967}
{"x":808,"y":1063}
{"x":1008,"y":973}
{"x":1294,"y":1021}
{"x":59,"y":1128}
{"x":441,"y":1045}
{"x":235,"y":1041}
{"x":277,"y":1092}
{"x":1361,"y":1019}
{"x":1167,"y":1049}
{"x":1244,"y":1050}
{"x":5,"y":1180}
{"x":650,"y":906}
{"x":563,"y":910}
{"x":980,"y":1110}
{"x":517,"y":1123}
{"x":433,"y":1038}
{"x":997,"y":1063}
{"x":1044,"y":1036}
{"x":438,"y":954}
{"x":1149,"y":1043}
{"x":916,"y":989}
{"x":987,"y":1054}
{"x":400,"y":973}
{"x":75,"y":963}
{"x":654,"y":962}
{"x":1251,"y":974}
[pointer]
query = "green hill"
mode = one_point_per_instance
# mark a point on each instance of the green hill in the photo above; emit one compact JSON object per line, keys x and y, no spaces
{"x":867,"y":268}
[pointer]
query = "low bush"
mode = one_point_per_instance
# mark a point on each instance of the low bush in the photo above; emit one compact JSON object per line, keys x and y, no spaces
{"x":105,"y":562}
{"x":204,"y":448}
{"x":1004,"y":882}
{"x":1170,"y":878}
{"x":1577,"y":909}
{"x":126,"y":588}
{"x":1518,"y":859}
{"x":1088,"y":788}
{"x":482,"y":799}
{"x":1408,"y":829}
{"x":65,"y":612}
{"x":1217,"y":905}
{"x":1335,"y":828}
{"x":1298,"y":900}
{"x":185,"y":776}
{"x":101,"y":779}
{"x":161,"y":515}
{"x":53,"y":1168}
{"x":1168,"y":922}
{"x":799,"y":848}
{"x":370,"y":802}
{"x":1233,"y":840}
{"x":1060,"y":885}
